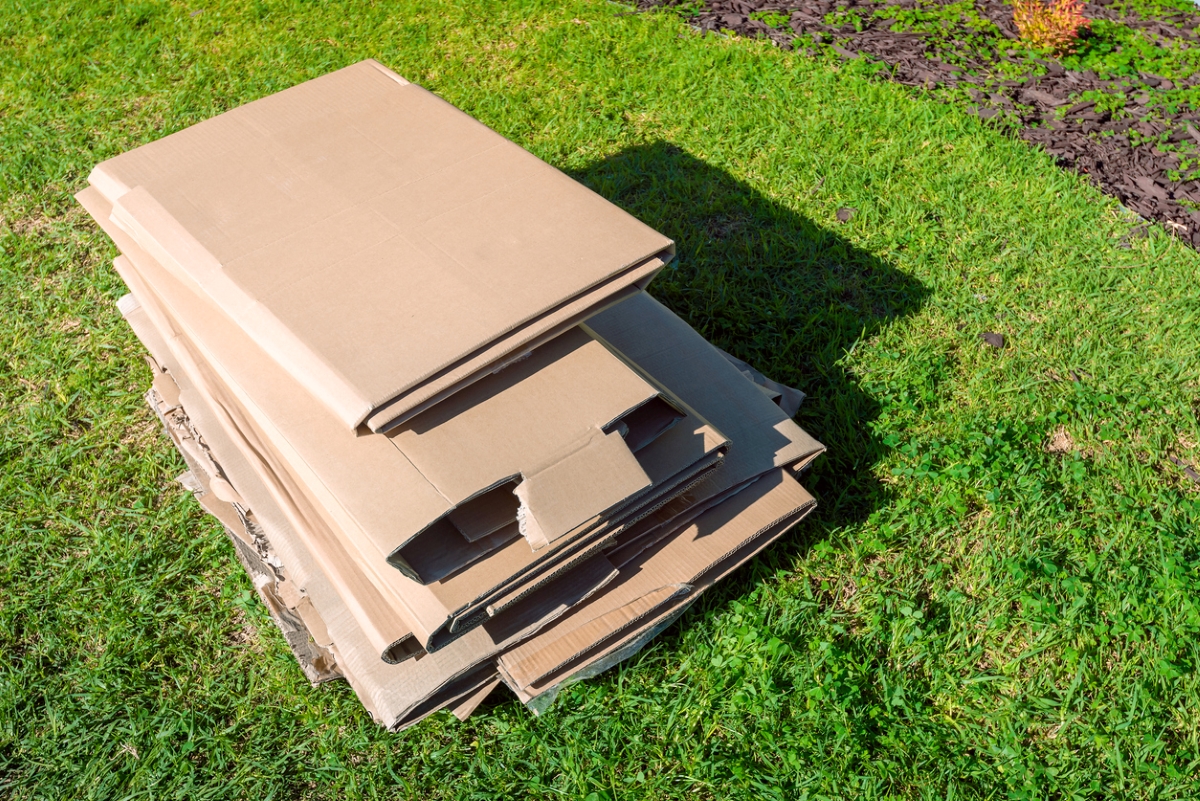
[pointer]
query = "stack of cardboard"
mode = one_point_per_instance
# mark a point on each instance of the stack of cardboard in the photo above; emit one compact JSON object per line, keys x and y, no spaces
{"x":414,"y":372}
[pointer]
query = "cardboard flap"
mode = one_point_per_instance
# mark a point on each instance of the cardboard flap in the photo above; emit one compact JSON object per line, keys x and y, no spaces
{"x":521,"y":417}
{"x":441,"y":551}
{"x":563,"y":644}
{"x":647,"y":422}
{"x":596,"y":474}
{"x":763,"y":435}
{"x":167,"y":389}
{"x":786,"y":398}
{"x":486,"y":513}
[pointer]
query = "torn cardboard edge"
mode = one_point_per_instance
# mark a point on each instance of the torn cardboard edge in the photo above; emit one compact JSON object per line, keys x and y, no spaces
{"x":311,"y":650}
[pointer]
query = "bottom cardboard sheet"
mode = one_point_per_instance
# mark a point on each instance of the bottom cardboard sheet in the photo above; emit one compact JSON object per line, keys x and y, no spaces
{"x":654,"y":581}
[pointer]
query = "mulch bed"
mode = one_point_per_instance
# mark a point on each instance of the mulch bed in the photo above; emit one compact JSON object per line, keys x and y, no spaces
{"x":1122,"y":163}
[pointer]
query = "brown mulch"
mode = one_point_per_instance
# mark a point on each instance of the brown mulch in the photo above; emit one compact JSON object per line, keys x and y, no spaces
{"x":1114,"y":153}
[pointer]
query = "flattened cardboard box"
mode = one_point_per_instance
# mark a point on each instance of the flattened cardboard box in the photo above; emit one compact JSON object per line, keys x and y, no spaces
{"x":380,"y":244}
{"x":772,"y":416}
{"x":466,"y":687}
{"x":460,"y":678}
{"x":352,"y":461}
{"x":409,"y":597}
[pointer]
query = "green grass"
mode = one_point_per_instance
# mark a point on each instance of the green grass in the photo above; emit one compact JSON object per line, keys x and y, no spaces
{"x":958,"y":34}
{"x":966,"y":615}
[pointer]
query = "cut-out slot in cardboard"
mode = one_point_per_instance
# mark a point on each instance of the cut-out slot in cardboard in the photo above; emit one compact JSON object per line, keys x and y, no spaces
{"x":646,"y":423}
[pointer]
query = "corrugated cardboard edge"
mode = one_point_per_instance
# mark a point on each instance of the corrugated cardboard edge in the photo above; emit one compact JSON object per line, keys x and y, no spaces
{"x":768,"y":531}
{"x":317,"y":663}
{"x":466,"y":707}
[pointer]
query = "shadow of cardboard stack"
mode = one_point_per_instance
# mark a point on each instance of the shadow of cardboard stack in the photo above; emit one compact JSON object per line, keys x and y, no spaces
{"x":782,"y":292}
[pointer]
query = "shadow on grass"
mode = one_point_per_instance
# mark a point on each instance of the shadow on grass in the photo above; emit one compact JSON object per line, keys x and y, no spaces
{"x":786,"y":295}
{"x":776,"y":289}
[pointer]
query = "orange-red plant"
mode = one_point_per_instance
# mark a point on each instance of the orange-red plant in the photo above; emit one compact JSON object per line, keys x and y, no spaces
{"x":1055,"y":26}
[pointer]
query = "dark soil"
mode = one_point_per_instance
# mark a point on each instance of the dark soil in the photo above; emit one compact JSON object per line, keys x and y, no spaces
{"x":1122,"y":153}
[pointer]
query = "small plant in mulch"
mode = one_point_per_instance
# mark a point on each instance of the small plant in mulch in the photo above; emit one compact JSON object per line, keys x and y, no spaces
{"x":1055,"y":26}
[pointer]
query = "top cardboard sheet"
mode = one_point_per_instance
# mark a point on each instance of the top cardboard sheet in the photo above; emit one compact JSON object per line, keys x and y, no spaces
{"x":380,"y":244}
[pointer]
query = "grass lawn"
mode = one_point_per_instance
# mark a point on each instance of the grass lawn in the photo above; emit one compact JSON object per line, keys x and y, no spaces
{"x":969,"y":613}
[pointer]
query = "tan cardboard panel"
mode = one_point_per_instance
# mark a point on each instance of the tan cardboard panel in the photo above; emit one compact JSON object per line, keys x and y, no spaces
{"x":648,"y":422}
{"x":596,"y":474}
{"x":222,"y":511}
{"x":487,"y":433}
{"x":513,"y":347}
{"x":693,"y":558}
{"x":167,"y":390}
{"x":532,"y":421}
{"x":270,"y":206}
{"x":442,"y":552}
